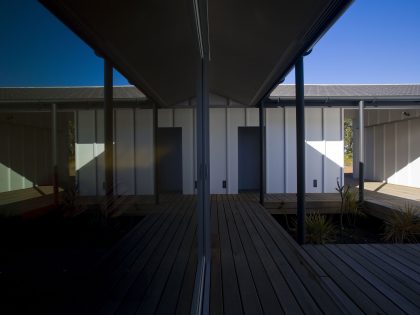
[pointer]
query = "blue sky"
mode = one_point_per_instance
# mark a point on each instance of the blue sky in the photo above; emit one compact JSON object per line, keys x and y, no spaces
{"x":375,"y":41}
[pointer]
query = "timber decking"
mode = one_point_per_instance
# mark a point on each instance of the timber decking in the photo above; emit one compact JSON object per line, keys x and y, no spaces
{"x":257,"y":268}
{"x":381,"y":203}
{"x":23,"y":202}
{"x":378,"y":278}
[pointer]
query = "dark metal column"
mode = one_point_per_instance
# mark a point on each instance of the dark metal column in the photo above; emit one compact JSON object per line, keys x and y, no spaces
{"x":156,"y":153}
{"x":300,"y":150}
{"x":54,"y":152}
{"x":109,"y":129}
{"x":361,"y":152}
{"x":202,"y":286}
{"x":262,"y":152}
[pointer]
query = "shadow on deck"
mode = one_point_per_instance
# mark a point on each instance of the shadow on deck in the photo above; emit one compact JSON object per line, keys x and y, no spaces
{"x":257,"y":268}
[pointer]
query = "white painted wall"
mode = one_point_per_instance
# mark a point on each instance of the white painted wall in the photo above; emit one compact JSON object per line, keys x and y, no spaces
{"x":26,"y":152}
{"x":392,"y":146}
{"x":134,"y":148}
{"x":324,"y":149}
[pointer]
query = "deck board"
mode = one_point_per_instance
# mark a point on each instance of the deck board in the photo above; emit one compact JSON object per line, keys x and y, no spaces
{"x":257,"y":268}
{"x":370,"y":273}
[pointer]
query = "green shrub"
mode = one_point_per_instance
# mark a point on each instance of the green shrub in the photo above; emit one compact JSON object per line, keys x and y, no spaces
{"x":319,"y":229}
{"x":403,"y":226}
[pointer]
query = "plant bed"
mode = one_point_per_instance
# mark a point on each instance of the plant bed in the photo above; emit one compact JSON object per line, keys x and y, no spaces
{"x":366,"y":229}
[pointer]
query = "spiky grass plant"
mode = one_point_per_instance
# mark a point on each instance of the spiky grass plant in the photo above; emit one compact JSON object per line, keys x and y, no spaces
{"x":319,"y":229}
{"x":403,"y":226}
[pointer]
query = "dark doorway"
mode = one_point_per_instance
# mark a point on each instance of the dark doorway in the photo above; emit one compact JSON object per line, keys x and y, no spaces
{"x":248,"y":158}
{"x":169,"y":141}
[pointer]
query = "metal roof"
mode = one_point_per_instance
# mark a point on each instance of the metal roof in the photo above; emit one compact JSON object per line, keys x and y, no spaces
{"x":284,"y":92}
{"x":353,"y":91}
{"x":67,"y":94}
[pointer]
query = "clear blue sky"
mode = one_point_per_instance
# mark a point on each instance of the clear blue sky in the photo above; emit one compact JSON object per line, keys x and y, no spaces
{"x":375,"y":41}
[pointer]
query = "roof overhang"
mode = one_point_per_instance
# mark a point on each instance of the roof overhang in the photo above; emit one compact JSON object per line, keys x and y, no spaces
{"x":253,"y":44}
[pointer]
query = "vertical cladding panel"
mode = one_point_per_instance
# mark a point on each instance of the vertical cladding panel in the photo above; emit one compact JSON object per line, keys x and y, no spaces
{"x":63,"y":119}
{"x":236,"y":118}
{"x":16,"y":157}
{"x":314,"y":149}
{"x":100,"y":152}
{"x":41,"y":164}
{"x":290,"y":149}
{"x":5,"y":157}
{"x":373,"y":116}
{"x":379,"y":152}
{"x":334,"y":148}
{"x":183,"y":117}
{"x":394,"y":114}
{"x":383,"y":116}
{"x":144,"y":152}
{"x":165,"y":117}
{"x":402,"y":173}
{"x":124,"y":151}
{"x":85,"y":152}
{"x":369,"y":153}
{"x":389,"y":138}
{"x":414,"y":158}
{"x":275,"y":150}
{"x":30,"y":156}
{"x":356,"y":149}
{"x":252,"y":117}
{"x":217,"y":150}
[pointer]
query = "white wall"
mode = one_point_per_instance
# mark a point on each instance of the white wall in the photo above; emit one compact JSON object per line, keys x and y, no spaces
{"x":134,"y":148}
{"x":26,"y":153}
{"x":392,"y":146}
{"x":324,"y":149}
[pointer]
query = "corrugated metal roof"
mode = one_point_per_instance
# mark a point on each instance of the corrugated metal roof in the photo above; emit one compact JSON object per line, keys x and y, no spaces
{"x":350,"y":90}
{"x":130,"y":93}
{"x":88,"y":93}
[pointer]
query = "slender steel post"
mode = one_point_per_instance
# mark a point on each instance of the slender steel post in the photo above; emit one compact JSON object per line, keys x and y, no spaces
{"x":54,"y":152}
{"x":156,"y":153}
{"x":361,"y":152}
{"x":201,"y":298}
{"x":109,"y":129}
{"x":300,"y":150}
{"x":202,"y":287}
{"x":262,"y":153}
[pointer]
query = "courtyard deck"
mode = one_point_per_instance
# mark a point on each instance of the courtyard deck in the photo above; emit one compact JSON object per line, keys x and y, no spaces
{"x":257,"y":268}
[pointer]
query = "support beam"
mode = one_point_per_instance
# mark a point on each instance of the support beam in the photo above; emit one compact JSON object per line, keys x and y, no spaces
{"x":156,"y":153}
{"x":300,"y":150}
{"x":361,"y":152}
{"x":262,"y":153}
{"x":54,"y":152}
{"x":109,"y":130}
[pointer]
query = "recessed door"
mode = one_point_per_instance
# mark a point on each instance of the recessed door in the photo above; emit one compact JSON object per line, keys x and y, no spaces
{"x":248,"y":158}
{"x":169,"y":142}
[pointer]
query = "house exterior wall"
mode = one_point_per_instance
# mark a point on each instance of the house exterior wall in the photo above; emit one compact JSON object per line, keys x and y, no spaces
{"x":392,"y":146}
{"x":133,"y":130}
{"x":26,"y":152}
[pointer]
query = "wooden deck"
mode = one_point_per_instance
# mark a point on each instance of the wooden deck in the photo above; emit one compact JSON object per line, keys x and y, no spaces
{"x":256,"y":268}
{"x":380,"y":200}
{"x":377,"y":278}
{"x":26,"y":202}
